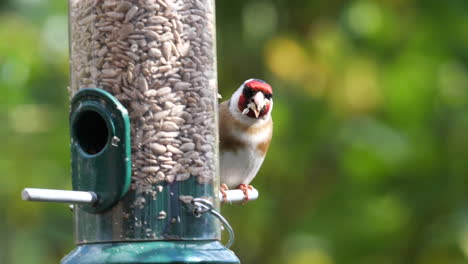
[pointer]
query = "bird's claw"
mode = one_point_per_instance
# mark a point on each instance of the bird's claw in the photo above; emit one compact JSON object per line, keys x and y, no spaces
{"x":223,"y":190}
{"x":245,"y":189}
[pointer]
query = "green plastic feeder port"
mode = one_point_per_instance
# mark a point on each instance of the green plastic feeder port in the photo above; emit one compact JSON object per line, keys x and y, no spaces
{"x":100,"y":147}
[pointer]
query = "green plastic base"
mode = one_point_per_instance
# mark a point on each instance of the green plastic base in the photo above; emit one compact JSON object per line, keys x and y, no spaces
{"x":151,"y":253}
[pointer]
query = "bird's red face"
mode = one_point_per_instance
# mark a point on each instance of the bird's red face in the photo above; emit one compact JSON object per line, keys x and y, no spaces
{"x":255,"y":99}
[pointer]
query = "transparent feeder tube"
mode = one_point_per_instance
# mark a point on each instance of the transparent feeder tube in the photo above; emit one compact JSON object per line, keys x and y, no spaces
{"x":157,"y":57}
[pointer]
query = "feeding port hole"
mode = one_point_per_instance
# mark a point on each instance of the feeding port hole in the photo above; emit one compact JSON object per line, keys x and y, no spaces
{"x":91,"y":132}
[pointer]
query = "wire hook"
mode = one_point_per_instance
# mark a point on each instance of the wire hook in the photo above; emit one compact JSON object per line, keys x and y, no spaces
{"x":202,"y":206}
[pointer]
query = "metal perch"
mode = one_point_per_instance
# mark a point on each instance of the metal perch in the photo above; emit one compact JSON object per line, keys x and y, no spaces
{"x":73,"y":197}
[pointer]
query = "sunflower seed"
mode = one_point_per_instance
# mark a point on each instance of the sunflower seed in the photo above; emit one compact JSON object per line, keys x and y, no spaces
{"x":187,"y":147}
{"x":162,"y":215}
{"x":130,"y":14}
{"x":158,"y":148}
{"x":169,"y":126}
{"x":150,"y":169}
{"x":115,"y":15}
{"x":182,"y":176}
{"x":174,"y":149}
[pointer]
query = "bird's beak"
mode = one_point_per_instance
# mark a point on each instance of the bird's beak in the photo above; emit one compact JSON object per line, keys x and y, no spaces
{"x":259,"y":101}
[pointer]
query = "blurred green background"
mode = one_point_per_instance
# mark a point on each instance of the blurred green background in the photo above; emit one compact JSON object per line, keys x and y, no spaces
{"x":369,"y":156}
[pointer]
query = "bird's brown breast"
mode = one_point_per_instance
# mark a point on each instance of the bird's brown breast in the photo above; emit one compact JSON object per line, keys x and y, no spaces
{"x":263,"y":146}
{"x":229,"y":125}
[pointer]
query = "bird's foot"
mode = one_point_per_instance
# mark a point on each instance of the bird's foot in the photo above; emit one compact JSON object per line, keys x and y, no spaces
{"x":223,"y":190}
{"x":245,"y":189}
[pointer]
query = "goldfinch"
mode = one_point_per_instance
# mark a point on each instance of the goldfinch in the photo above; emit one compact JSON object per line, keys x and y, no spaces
{"x":245,"y":131}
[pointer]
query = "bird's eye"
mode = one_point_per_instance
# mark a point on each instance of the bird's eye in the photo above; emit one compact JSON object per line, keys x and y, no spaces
{"x":268,"y":96}
{"x":247,"y":92}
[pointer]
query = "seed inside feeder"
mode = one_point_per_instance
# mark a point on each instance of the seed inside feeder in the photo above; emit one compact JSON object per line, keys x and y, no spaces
{"x":157,"y":58}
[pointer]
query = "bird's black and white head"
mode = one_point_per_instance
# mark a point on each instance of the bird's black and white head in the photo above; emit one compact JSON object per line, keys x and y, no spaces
{"x":253,"y":99}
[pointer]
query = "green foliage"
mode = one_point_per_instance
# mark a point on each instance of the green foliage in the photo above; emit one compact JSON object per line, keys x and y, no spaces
{"x":367,"y":163}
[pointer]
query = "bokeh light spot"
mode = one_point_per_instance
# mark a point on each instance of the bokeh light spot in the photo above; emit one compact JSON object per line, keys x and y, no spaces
{"x":453,"y":83}
{"x":55,"y":36}
{"x":359,"y":92}
{"x":305,"y":249}
{"x":259,"y":19}
{"x":386,"y":215}
{"x":14,"y":73}
{"x":287,"y":59}
{"x":364,"y":18}
{"x":328,"y":42}
{"x":312,"y":256}
{"x":29,"y":119}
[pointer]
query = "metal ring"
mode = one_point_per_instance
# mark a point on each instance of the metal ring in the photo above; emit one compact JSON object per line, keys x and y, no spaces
{"x":227,"y":226}
{"x":202,"y":206}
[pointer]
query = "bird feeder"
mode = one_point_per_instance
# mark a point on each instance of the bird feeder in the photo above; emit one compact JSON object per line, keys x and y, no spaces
{"x":144,"y":139}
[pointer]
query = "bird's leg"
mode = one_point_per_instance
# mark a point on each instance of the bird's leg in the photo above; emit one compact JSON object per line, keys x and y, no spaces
{"x":245,"y":189}
{"x":223,"y":190}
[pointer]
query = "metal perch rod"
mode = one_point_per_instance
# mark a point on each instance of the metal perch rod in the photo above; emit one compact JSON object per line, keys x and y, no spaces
{"x":72,"y":197}
{"x":58,"y":196}
{"x":237,"y":195}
